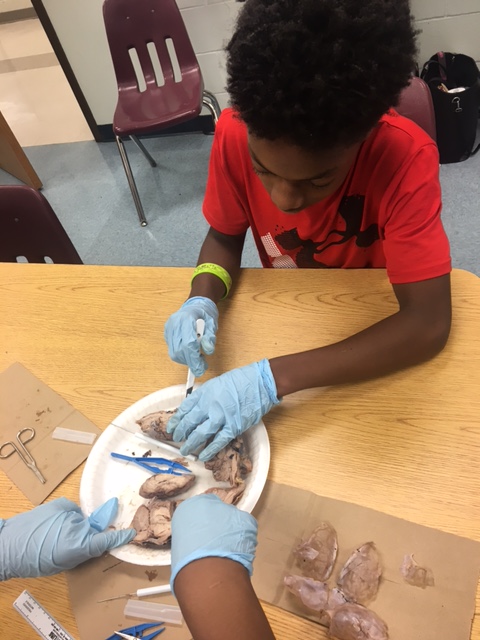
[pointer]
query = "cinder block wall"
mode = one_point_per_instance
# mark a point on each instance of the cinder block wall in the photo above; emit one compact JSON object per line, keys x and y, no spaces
{"x":210,"y":24}
{"x":451,"y":25}
{"x":448,"y":25}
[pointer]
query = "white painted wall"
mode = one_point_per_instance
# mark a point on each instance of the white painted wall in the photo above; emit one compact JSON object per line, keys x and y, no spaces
{"x":14,"y":5}
{"x":80,"y":28}
{"x":449,"y":25}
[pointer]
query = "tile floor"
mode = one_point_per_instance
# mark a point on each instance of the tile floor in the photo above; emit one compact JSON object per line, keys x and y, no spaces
{"x":35,"y":97}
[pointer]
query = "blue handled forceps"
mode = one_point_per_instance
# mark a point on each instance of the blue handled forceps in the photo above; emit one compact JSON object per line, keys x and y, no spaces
{"x":132,"y":633}
{"x":20,"y":448}
{"x":155,"y":465}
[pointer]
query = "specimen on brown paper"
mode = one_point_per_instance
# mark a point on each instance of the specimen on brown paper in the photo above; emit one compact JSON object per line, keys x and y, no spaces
{"x":317,"y":554}
{"x":416,"y":575}
{"x":360,"y":577}
{"x":354,"y":622}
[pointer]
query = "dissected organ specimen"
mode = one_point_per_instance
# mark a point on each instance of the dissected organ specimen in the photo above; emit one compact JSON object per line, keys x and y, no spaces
{"x":360,"y":577}
{"x":154,"y":425}
{"x":153,"y":523}
{"x":316,"y":556}
{"x":353,"y":622}
{"x":336,"y":597}
{"x":312,"y":593}
{"x":316,"y":596}
{"x":231,"y":464}
{"x":163,"y":485}
{"x":229,"y":495}
{"x":182,"y":461}
{"x":416,"y":575}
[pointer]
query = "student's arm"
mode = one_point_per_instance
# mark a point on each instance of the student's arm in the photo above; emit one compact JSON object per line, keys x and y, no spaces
{"x":223,"y":250}
{"x":218,"y":601}
{"x":417,"y":332}
{"x":226,"y":406}
{"x":213,"y":548}
{"x":207,"y":290}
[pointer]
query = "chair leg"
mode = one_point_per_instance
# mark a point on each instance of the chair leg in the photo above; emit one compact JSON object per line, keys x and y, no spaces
{"x":144,"y":151}
{"x":131,"y":181}
{"x":210,"y":101}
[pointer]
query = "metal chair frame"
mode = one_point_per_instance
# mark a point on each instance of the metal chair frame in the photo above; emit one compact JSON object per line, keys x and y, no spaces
{"x":134,"y":25}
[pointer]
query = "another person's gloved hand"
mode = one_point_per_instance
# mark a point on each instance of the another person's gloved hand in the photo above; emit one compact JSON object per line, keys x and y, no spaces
{"x":55,"y":537}
{"x":181,"y":333}
{"x":205,"y":527}
{"x":224,"y":407}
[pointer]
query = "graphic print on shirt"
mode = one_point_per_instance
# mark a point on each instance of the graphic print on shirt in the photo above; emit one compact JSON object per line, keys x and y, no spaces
{"x":351,"y":209}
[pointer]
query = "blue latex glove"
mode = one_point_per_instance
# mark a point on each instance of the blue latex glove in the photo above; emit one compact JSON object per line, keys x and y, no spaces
{"x":224,"y":407}
{"x":204,"y":526}
{"x":55,"y":537}
{"x":181,"y":333}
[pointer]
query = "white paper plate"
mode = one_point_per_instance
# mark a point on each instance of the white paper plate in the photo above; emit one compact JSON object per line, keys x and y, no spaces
{"x":105,"y":477}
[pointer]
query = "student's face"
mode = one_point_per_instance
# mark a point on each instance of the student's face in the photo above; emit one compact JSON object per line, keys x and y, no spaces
{"x":294,"y":178}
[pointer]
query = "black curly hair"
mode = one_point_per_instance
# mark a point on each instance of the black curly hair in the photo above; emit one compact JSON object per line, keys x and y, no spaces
{"x":319,"y":73}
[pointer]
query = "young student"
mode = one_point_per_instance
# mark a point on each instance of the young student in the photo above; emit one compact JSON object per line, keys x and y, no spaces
{"x":213,"y":548}
{"x":313,"y":160}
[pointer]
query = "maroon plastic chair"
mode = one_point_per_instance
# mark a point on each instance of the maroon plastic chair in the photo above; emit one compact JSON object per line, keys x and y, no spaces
{"x":416,"y":103}
{"x":29,"y":229}
{"x":147,"y":103}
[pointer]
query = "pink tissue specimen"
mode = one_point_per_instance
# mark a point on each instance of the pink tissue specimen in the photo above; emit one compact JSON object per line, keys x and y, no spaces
{"x":312,"y":593}
{"x":360,"y":577}
{"x":416,"y":575}
{"x":354,"y":622}
{"x":335,"y":599}
{"x":316,"y":556}
{"x":316,"y":596}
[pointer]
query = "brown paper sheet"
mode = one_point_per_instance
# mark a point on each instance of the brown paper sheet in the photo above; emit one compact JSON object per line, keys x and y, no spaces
{"x":25,"y":401}
{"x":106,"y":577}
{"x":443,"y":612}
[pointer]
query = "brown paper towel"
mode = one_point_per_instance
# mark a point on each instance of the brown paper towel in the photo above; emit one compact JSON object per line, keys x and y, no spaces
{"x":443,"y":612}
{"x":25,"y":401}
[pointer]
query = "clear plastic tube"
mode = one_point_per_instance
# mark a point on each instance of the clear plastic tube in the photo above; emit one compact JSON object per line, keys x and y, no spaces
{"x":153,"y":611}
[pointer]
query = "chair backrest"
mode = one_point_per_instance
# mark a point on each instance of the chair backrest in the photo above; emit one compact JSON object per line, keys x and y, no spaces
{"x":134,"y":24}
{"x":29,"y":229}
{"x":416,"y":103}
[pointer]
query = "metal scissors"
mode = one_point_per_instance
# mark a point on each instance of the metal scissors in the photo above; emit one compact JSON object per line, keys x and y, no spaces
{"x":132,"y":633}
{"x":20,"y":448}
{"x":151,"y":464}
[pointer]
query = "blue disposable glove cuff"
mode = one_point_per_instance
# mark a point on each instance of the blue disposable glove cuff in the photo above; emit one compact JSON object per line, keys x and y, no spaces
{"x":242,"y":558}
{"x":209,"y":305}
{"x":205,"y":527}
{"x":269,"y":381}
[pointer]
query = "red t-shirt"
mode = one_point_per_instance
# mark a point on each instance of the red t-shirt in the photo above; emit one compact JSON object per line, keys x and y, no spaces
{"x":385,"y":215}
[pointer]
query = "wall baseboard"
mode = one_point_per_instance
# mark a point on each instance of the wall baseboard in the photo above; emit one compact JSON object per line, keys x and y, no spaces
{"x":17,"y":14}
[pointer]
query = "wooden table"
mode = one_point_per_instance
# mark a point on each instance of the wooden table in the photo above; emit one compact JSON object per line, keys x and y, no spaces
{"x":407,"y":444}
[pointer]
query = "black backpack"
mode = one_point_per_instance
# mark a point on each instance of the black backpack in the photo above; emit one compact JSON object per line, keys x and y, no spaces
{"x":456,"y":113}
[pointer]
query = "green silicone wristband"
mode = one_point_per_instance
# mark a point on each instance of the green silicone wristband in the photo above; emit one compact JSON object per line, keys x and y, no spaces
{"x":216,"y":270}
